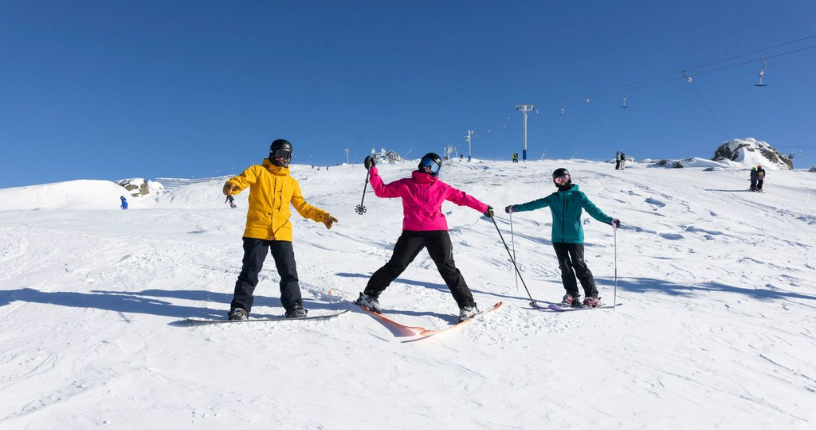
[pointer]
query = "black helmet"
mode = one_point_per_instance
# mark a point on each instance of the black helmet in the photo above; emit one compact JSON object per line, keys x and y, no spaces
{"x":431,"y":160}
{"x":561,"y":172}
{"x":281,"y":148}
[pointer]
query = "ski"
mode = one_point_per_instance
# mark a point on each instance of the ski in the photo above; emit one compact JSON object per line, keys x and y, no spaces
{"x":557,"y":308}
{"x":397,"y":328}
{"x":429,"y":333}
{"x":278,"y":319}
{"x":402,"y":330}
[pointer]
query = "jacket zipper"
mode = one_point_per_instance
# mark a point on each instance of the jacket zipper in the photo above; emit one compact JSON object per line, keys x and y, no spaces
{"x":564,"y":216}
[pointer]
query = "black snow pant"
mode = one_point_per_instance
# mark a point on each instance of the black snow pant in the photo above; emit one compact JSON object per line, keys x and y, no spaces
{"x":759,"y":185}
{"x":255,"y":251}
{"x":617,"y":164}
{"x":572,"y":264}
{"x":753,"y":184}
{"x":408,"y":246}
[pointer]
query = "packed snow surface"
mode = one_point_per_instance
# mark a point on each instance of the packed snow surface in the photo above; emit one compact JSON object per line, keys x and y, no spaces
{"x":717,"y":327}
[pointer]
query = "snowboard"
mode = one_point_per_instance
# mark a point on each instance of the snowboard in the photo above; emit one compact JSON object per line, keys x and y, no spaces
{"x":277,"y":319}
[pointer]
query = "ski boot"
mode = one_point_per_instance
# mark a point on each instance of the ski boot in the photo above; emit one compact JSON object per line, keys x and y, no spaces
{"x":592,"y":302}
{"x":369,"y":302}
{"x":238,"y":314}
{"x":571,"y":301}
{"x":468,"y":312}
{"x":296,"y":311}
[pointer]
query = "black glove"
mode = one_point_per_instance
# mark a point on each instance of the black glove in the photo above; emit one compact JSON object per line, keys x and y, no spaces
{"x":489,"y":212}
{"x":615,"y":223}
{"x":509,"y":209}
{"x":369,"y":163}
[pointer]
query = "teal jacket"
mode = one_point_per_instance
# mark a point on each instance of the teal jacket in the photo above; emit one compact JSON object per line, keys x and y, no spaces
{"x":566,"y":208}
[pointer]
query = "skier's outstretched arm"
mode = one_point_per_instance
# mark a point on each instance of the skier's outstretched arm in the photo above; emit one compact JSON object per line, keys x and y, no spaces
{"x":461,"y":198}
{"x":239,"y":183}
{"x":529,"y":206}
{"x":594,"y":211}
{"x":387,"y":191}
{"x":311,"y":212}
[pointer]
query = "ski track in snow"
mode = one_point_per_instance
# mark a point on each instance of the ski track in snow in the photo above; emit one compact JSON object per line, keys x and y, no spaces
{"x":719,"y":287}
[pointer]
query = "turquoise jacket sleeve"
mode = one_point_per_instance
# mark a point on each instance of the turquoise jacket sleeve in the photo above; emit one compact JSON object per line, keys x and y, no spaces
{"x":533,"y":205}
{"x":593,"y":210}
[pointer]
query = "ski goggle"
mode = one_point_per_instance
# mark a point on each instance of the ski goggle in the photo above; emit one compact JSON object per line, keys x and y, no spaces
{"x":562,"y":179}
{"x":432,"y":164}
{"x":281,"y":153}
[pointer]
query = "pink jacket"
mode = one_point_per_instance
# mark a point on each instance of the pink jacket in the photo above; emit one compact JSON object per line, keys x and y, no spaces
{"x":422,"y":197}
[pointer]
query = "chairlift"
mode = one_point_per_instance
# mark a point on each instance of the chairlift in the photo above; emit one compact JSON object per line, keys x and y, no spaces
{"x":586,"y":99}
{"x":624,"y":101}
{"x":761,"y":74}
{"x":504,"y":127}
{"x":562,"y":112}
{"x":488,"y":130}
{"x":688,"y":78}
{"x":537,"y":112}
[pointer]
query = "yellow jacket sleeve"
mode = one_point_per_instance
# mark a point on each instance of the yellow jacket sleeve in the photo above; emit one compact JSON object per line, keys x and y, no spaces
{"x":245,"y":179}
{"x":304,"y":209}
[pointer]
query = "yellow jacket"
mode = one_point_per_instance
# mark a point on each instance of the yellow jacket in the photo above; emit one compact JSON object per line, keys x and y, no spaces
{"x":271,"y":189}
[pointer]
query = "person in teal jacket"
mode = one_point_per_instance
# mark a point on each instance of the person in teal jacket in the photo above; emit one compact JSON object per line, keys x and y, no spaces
{"x":566,"y":207}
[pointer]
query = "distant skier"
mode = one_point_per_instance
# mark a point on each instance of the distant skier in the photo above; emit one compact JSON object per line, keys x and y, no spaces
{"x":515,"y":157}
{"x":423,"y":226}
{"x":617,"y":160}
{"x":623,"y":161}
{"x":124,"y":204}
{"x":760,"y":177}
{"x":231,"y":201}
{"x":271,"y":190}
{"x":754,"y":178}
{"x":568,"y":235}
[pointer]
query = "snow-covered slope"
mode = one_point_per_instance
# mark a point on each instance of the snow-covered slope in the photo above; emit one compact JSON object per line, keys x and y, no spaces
{"x":716,"y":329}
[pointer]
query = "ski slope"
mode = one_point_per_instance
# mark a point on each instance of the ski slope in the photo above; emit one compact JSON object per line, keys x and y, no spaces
{"x":716,"y":331}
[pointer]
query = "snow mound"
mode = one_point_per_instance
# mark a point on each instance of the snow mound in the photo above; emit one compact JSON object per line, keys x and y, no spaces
{"x":688,"y":162}
{"x":80,"y":194}
{"x":138,"y":187}
{"x":751,"y":152}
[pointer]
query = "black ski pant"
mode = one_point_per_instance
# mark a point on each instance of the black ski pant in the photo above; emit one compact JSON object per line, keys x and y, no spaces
{"x":255,"y":251}
{"x":759,"y":185}
{"x":408,"y":246}
{"x":754,"y":185}
{"x":572,"y":264}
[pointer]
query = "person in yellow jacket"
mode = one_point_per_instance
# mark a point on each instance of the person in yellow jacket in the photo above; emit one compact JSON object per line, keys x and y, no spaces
{"x":268,"y":229}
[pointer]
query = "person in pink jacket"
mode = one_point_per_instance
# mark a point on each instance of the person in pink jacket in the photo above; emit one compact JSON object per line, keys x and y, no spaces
{"x":423,"y":226}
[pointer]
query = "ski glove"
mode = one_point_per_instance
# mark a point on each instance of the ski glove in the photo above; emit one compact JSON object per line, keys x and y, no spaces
{"x":615,"y":223}
{"x":509,"y":209}
{"x":329,"y":221}
{"x":229,"y":188}
{"x":489,"y":212}
{"x":369,"y":163}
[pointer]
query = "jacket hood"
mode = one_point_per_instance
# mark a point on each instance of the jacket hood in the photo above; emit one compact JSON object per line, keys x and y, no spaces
{"x":273,"y":169}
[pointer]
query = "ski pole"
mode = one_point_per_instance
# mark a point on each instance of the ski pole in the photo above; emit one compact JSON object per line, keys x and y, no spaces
{"x":513,"y":244}
{"x":532,"y":303}
{"x":361,"y":209}
{"x":615,"y":294}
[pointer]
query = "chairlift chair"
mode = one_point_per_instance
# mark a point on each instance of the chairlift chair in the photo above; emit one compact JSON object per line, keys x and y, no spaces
{"x":761,"y":74}
{"x":624,"y":101}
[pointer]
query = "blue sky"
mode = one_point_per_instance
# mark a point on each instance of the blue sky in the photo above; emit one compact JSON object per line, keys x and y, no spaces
{"x":117,"y":89}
